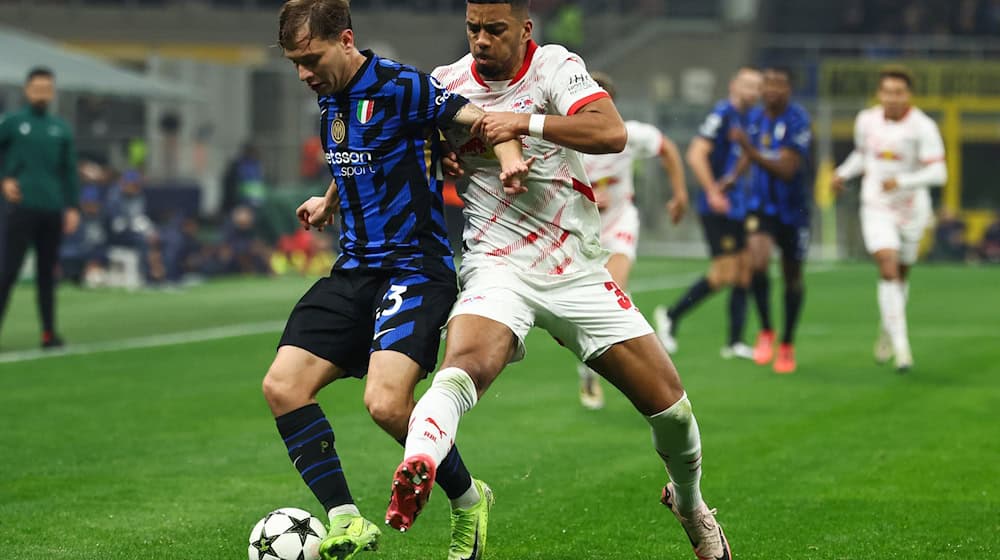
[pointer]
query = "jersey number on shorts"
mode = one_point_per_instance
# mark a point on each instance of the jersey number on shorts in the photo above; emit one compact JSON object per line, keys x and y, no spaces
{"x":395,"y":296}
{"x":623,"y":301}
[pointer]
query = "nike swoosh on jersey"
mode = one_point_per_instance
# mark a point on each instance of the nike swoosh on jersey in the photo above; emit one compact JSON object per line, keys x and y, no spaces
{"x":380,"y":333}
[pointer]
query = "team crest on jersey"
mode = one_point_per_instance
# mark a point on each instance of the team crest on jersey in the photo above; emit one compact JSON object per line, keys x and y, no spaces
{"x":753,"y":224}
{"x":25,"y":129}
{"x":524,"y":104}
{"x":779,"y":131}
{"x":338,"y":130}
{"x":366,"y":109}
{"x":765,"y":140}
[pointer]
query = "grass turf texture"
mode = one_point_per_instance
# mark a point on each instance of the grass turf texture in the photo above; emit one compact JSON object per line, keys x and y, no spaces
{"x":170,"y":452}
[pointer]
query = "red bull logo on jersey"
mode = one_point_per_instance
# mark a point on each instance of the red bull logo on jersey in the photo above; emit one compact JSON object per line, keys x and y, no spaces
{"x":889,"y":155}
{"x":523,"y":105}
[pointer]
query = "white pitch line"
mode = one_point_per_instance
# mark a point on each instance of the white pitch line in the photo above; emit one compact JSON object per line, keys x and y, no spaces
{"x":639,"y":286}
{"x":153,"y":341}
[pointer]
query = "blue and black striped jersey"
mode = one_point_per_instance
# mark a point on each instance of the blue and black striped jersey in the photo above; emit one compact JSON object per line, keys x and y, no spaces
{"x":383,"y":148}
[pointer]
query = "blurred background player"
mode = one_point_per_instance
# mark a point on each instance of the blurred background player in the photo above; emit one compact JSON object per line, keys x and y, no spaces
{"x":39,"y":181}
{"x":899,"y":150}
{"x":379,"y":313}
{"x":778,"y":208}
{"x":712,"y":156}
{"x":534,"y":258}
{"x":614,"y":191}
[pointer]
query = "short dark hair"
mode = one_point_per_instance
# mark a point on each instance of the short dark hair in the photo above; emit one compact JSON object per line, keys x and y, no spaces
{"x":605,"y":82}
{"x":898,"y":72}
{"x":523,"y":5}
{"x":781,"y":69}
{"x":39,"y":72}
{"x":324,"y":19}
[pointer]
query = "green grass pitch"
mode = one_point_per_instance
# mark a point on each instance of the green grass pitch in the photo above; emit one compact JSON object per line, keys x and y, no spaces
{"x":169,"y":452}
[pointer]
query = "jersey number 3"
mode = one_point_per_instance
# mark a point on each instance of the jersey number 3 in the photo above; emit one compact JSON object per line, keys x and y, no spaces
{"x":623,"y":301}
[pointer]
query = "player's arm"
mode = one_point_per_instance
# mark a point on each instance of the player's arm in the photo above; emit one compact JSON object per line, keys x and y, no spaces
{"x":698,"y":154}
{"x":513,"y":167}
{"x":670,"y":160}
{"x":933,"y":171}
{"x":854,"y":165}
{"x":71,"y":190}
{"x":318,"y":211}
{"x":595,"y":128}
{"x":784,"y":167}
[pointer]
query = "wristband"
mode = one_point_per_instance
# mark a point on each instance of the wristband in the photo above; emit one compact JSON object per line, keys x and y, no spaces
{"x":536,"y":126}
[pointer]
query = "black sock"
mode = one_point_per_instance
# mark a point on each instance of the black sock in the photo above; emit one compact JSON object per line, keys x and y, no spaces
{"x":793,"y":309}
{"x":309,"y":439}
{"x":452,"y":475}
{"x":760,"y":284}
{"x":695,"y":294}
{"x":737,"y":314}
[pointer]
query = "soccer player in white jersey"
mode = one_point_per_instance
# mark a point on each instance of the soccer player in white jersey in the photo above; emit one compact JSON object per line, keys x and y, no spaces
{"x":611,"y":177}
{"x":536,"y":259}
{"x":899,"y":150}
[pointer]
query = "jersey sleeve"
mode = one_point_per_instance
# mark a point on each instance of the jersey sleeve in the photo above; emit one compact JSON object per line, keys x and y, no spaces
{"x":799,"y":135}
{"x":570,"y":87}
{"x":644,"y":140}
{"x":931,"y":148}
{"x":714,"y":125}
{"x":427,"y":101}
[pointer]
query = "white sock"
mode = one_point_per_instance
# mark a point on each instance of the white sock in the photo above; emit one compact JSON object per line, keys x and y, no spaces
{"x":434,"y":420}
{"x":676,"y":438}
{"x":468,"y":499}
{"x":346,"y":509}
{"x":585,"y":372}
{"x":892,"y":304}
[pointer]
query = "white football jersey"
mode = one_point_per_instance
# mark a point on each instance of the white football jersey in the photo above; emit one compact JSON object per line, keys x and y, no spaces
{"x":614,"y":172}
{"x":554,"y":227}
{"x":891,"y":148}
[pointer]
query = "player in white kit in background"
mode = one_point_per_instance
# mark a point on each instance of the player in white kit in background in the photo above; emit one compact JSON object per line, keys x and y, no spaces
{"x":899,"y":150}
{"x":611,"y":175}
{"x":535,"y":259}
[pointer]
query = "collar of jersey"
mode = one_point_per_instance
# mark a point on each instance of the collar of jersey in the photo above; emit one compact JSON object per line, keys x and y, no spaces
{"x":528,"y":56}
{"x":370,"y":58}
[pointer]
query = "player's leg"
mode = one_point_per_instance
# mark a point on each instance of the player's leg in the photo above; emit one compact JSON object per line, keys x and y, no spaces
{"x":735,"y":347}
{"x":18,"y":234}
{"x":485,"y":333}
{"x":47,"y":239}
{"x":761,"y":245}
{"x":794,"y":243}
{"x":327,"y":337}
{"x":643,"y":372}
{"x":910,"y":236}
{"x":598,"y":322}
{"x":721,"y":273}
{"x":892,"y":304}
{"x":883,"y":241}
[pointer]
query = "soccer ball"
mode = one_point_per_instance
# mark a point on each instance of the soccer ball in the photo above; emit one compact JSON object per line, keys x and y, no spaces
{"x":287,"y":534}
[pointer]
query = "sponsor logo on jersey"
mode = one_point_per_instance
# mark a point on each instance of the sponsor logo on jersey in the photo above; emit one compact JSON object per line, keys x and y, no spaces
{"x":366,"y":108}
{"x":350,"y":164}
{"x":890,"y":155}
{"x":579,"y":82}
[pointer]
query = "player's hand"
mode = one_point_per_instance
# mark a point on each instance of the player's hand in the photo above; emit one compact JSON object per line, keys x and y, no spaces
{"x":839,"y":185}
{"x":71,"y":221}
{"x":451,"y":166}
{"x":500,"y":127}
{"x":890,"y":184}
{"x":513,"y":176}
{"x":317,"y":212}
{"x":727,"y":182}
{"x":739,"y":136}
{"x":718,"y":202}
{"x":676,"y":208}
{"x":11,"y":190}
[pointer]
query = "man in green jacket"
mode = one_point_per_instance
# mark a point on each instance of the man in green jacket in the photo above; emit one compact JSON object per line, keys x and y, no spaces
{"x":39,"y":182}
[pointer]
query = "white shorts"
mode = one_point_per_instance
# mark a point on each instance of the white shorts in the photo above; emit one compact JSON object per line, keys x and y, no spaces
{"x":620,"y":231}
{"x":586,"y":312}
{"x":884,"y":228}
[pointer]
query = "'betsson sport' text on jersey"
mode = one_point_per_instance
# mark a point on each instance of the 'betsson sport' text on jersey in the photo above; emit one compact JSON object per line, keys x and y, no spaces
{"x":383,"y":148}
{"x":554,"y":228}
{"x":725,"y":153}
{"x":789,"y":201}
{"x":614,"y":172}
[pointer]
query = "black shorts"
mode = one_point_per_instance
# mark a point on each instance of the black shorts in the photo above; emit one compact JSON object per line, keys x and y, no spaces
{"x":348,"y":315}
{"x":725,"y":236}
{"x":792,"y":240}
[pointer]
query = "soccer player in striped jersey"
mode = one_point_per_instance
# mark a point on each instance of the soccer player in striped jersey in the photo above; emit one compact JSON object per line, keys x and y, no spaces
{"x":721,"y":203}
{"x":381,"y":309}
{"x":535,"y":258}
{"x":899,"y":151}
{"x":779,"y":145}
{"x":611,"y":176}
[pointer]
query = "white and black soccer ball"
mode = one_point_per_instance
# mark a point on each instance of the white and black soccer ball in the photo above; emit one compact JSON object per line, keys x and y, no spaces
{"x":286,"y":534}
